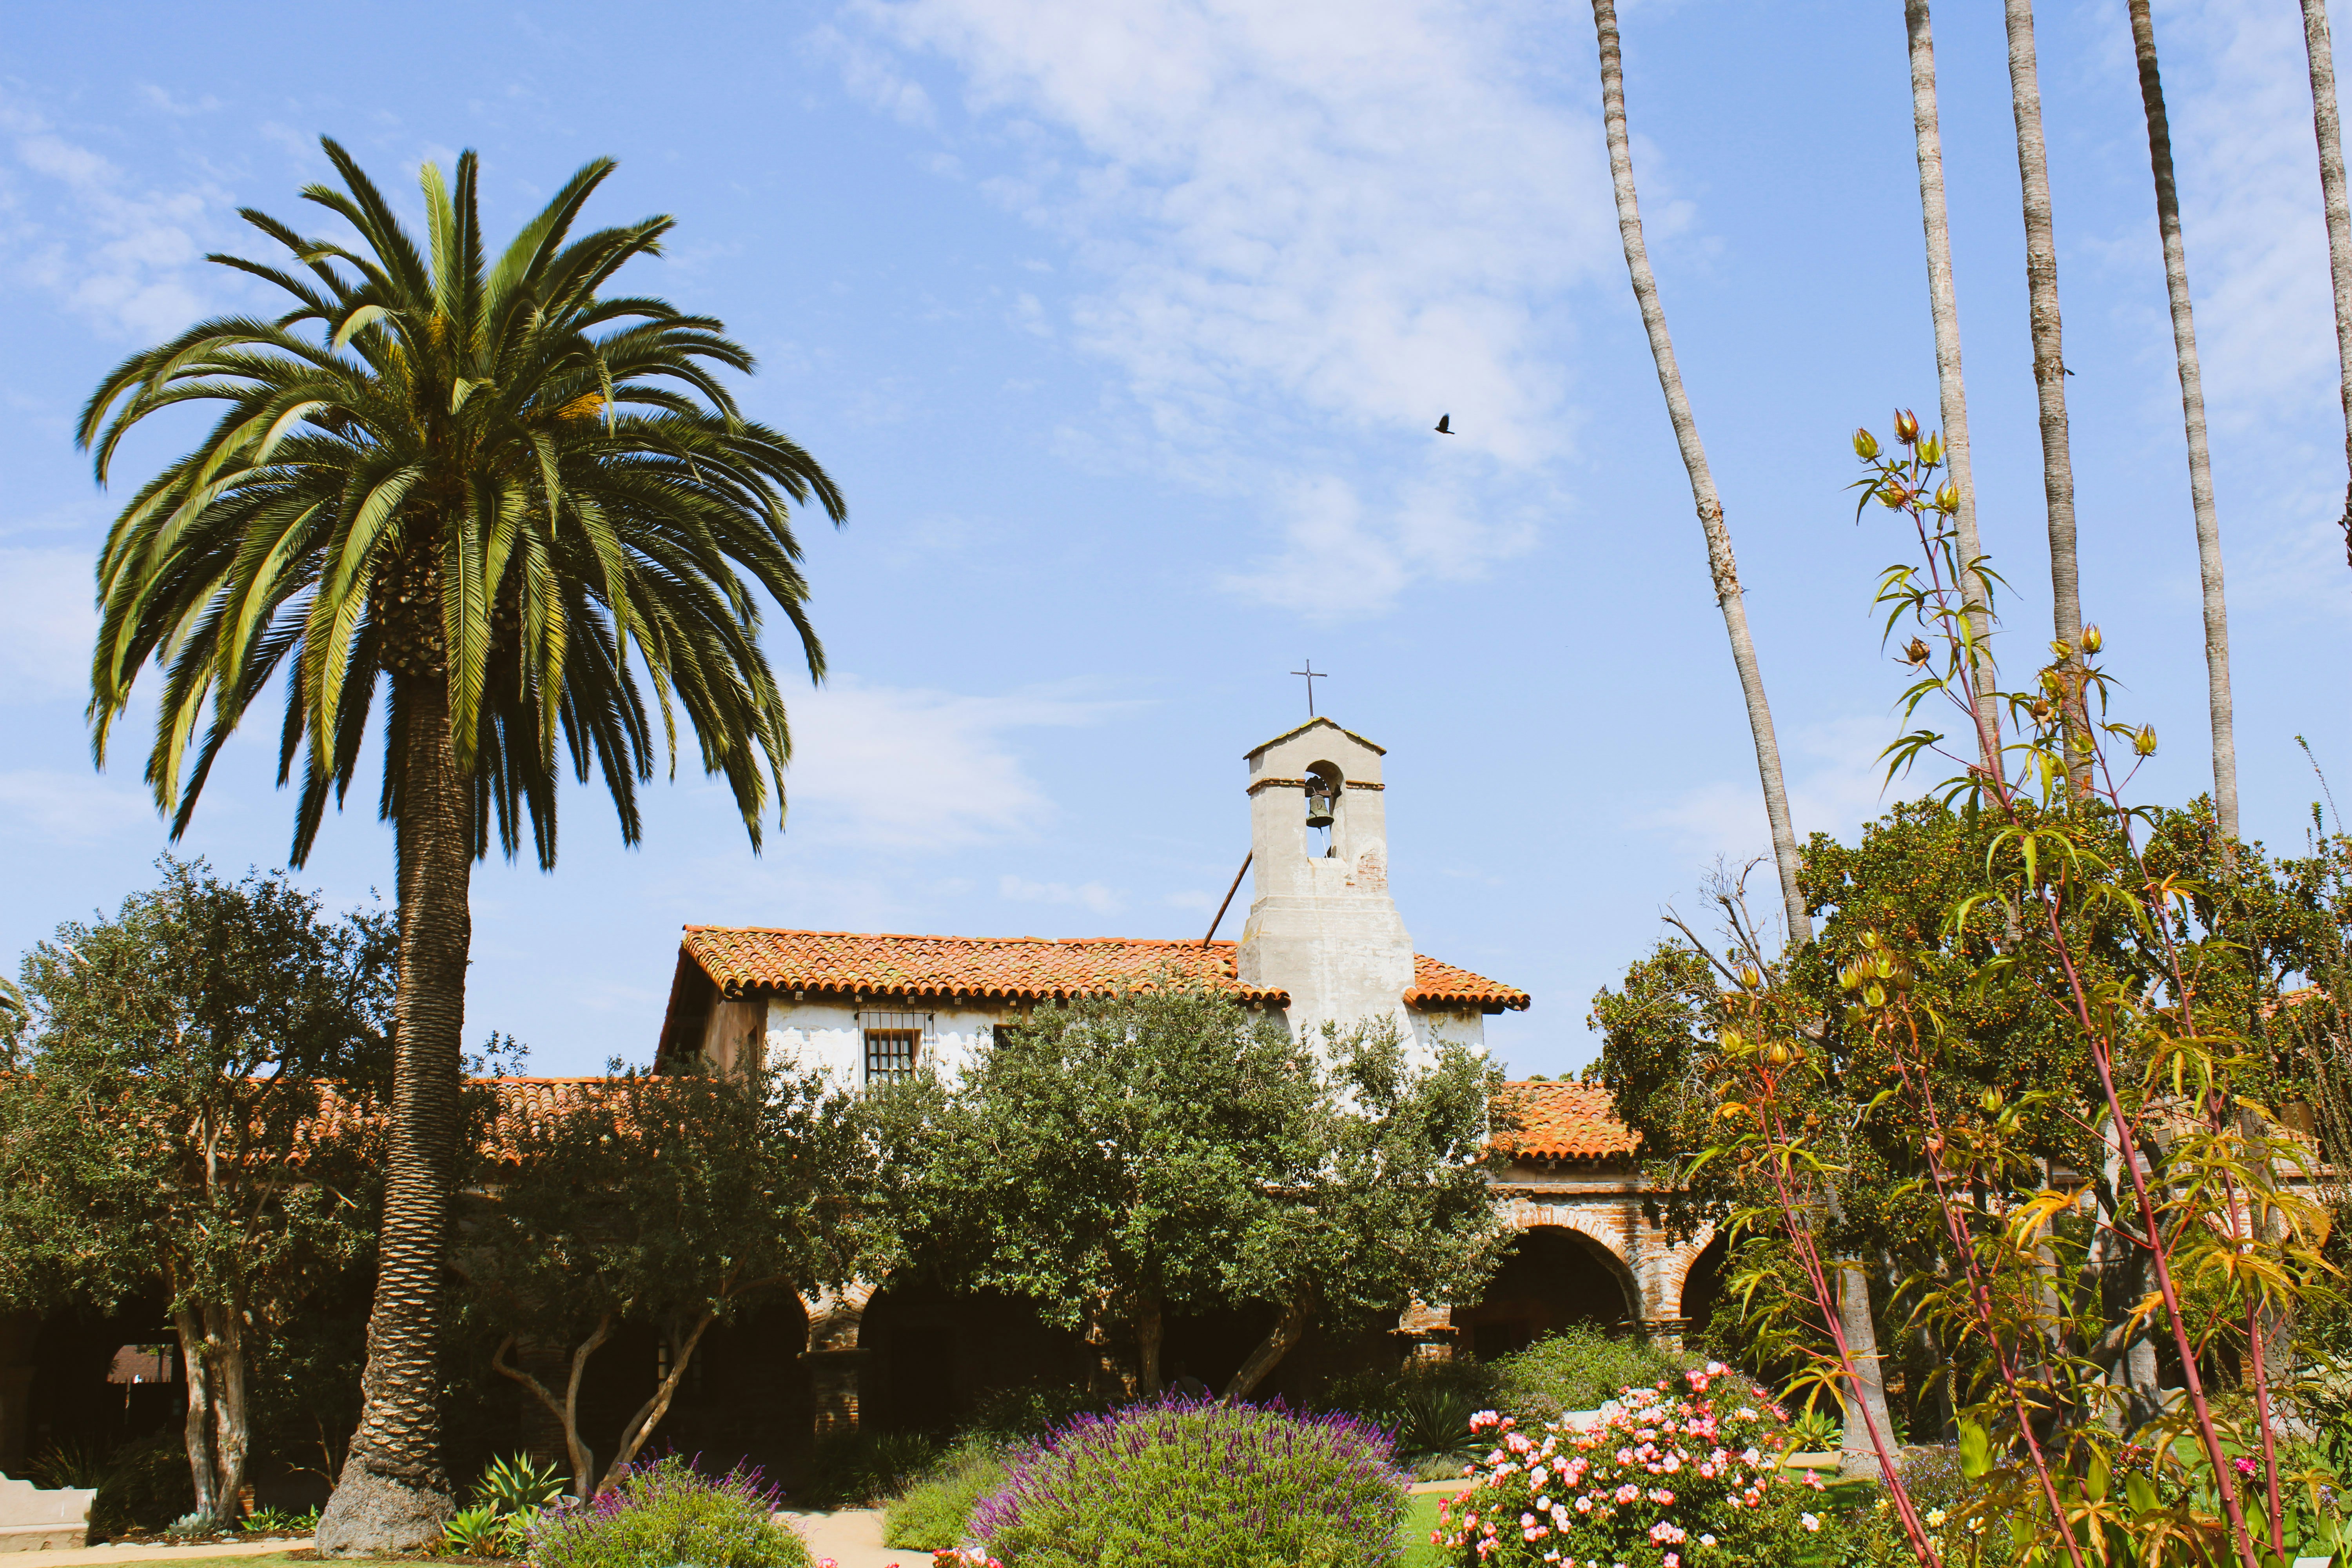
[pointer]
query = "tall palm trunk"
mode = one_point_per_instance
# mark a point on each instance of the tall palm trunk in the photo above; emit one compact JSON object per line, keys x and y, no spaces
{"x":2049,"y":375}
{"x":393,"y":1494}
{"x":1853,"y":1285}
{"x":2192,"y":413}
{"x":2339,"y":215}
{"x":1943,"y":307}
{"x":1720,"y":564}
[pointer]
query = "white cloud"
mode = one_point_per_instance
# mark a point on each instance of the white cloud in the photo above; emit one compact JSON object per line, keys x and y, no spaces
{"x":75,"y":808}
{"x":1311,"y":226}
{"x":47,"y":623}
{"x":1094,"y":895}
{"x":1836,"y":783}
{"x":126,"y":258}
{"x":901,"y":769}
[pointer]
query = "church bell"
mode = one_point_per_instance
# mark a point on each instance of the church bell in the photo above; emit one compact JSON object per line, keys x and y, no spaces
{"x":1319,"y":806}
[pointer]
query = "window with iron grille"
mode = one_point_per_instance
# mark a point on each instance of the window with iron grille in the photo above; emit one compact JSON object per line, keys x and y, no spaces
{"x":894,"y":1044}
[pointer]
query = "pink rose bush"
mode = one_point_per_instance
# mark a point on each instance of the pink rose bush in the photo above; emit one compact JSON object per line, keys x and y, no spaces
{"x":1669,"y":1476}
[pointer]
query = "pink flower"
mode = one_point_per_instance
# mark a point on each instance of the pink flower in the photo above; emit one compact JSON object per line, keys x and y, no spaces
{"x":2245,"y":1466}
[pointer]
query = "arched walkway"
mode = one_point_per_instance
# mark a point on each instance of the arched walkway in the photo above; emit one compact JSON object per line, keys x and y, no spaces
{"x":1551,"y":1276}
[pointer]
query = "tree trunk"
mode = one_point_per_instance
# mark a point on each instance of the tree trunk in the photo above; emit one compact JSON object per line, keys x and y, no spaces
{"x":2340,"y":216}
{"x":1150,"y":1328}
{"x":2049,"y":379}
{"x":1943,"y":307}
{"x":1107,"y":1376}
{"x":1866,"y":1400}
{"x":566,"y":1410}
{"x":1720,"y":563}
{"x":197,"y":1428}
{"x":648,"y":1417}
{"x":232,"y":1429}
{"x":392,"y":1496}
{"x":2192,"y":413}
{"x":1290,"y":1327}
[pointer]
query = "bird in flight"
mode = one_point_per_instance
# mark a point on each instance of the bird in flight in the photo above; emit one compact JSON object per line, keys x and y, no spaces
{"x":1445,"y":424}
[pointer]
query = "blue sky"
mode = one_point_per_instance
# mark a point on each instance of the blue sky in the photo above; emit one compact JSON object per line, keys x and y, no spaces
{"x":1124,"y":325}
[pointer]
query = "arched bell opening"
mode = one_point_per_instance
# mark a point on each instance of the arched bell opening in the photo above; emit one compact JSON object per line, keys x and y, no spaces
{"x":1552,"y":1277}
{"x":1325,"y":789}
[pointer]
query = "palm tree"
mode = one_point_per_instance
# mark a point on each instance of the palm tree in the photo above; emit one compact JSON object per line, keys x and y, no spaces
{"x":1720,"y":563}
{"x":2339,"y":213}
{"x":1943,"y":307}
{"x":1853,"y":1285}
{"x":2049,"y":369}
{"x":2192,"y":413}
{"x":515,"y":502}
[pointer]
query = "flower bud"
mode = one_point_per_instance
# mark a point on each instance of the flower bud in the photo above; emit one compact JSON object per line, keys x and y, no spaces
{"x":2144,"y":743}
{"x":1731,"y":1040}
{"x":2061,"y":649}
{"x":1992,"y":1100}
{"x":1870,"y":939}
{"x":1907,"y":425}
{"x":2091,"y":639}
{"x":1875,"y":994}
{"x":1779,"y":1053}
{"x":1750,"y":976}
{"x":1931,"y":450}
{"x":1917,"y":653}
{"x":1947,"y":497}
{"x":1866,"y":445}
{"x":1894,"y":496}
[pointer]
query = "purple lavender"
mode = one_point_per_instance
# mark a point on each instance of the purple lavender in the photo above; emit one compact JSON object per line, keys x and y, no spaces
{"x":1231,"y":1486}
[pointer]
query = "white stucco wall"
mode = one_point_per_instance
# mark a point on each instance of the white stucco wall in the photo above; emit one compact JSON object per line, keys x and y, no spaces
{"x":832,"y":1035}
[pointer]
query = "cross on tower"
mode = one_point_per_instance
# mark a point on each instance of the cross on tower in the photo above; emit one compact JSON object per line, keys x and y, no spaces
{"x":1312,"y":675}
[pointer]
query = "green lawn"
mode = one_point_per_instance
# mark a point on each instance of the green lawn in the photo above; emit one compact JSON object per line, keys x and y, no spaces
{"x":1420,"y":1519}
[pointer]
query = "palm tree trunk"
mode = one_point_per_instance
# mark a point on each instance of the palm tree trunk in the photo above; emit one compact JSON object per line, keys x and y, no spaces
{"x":1720,"y":564}
{"x":2192,"y":413}
{"x":392,"y":1496}
{"x":1943,"y":307}
{"x":2339,"y":215}
{"x":2049,"y":377}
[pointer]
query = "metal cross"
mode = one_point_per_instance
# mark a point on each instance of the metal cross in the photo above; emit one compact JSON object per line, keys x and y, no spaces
{"x":1312,"y":675}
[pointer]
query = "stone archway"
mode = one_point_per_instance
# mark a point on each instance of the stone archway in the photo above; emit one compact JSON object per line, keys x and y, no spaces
{"x":1552,"y":1277}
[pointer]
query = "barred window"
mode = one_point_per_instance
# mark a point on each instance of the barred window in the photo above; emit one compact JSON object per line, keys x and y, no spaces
{"x":893,"y":1043}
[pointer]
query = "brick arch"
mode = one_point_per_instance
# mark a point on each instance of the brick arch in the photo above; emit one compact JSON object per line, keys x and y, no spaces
{"x":1596,"y":1224}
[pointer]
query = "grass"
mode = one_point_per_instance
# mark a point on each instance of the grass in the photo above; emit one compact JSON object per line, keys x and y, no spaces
{"x":1420,"y":1519}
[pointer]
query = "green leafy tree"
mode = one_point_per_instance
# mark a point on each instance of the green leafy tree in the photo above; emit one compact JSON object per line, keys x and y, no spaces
{"x":676,"y":1201}
{"x":191,"y":1104}
{"x":513,"y":500}
{"x":1163,"y":1150}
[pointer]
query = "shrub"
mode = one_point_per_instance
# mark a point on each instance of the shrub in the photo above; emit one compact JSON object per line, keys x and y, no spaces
{"x":146,"y":1487}
{"x":1425,"y":1407}
{"x":857,"y":1468}
{"x":1670,"y":1471}
{"x":1578,"y":1369}
{"x":1185,"y":1483}
{"x":475,"y":1531}
{"x":935,"y":1512}
{"x":662,"y":1514}
{"x":75,"y":1464}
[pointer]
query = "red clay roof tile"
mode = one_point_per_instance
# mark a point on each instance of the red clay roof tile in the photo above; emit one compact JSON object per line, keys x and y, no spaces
{"x":1011,"y":969}
{"x":1568,"y":1122}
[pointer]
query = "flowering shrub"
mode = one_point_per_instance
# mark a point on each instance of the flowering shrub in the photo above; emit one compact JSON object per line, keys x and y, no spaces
{"x":1190,"y":1483}
{"x":1664,"y":1480}
{"x":662,"y":1514}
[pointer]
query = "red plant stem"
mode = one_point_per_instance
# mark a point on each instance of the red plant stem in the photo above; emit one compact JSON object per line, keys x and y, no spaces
{"x":1981,"y":1297}
{"x":1890,"y":1467}
{"x":2159,"y":1250}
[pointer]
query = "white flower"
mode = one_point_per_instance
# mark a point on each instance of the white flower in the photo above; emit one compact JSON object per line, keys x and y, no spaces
{"x":1706,"y":1541}
{"x":1810,"y":1520}
{"x":1936,"y":1516}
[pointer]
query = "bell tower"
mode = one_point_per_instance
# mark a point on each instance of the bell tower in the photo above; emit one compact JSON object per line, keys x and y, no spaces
{"x":1321,"y":924}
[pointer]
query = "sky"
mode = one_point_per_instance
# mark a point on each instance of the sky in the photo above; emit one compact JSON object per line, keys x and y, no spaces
{"x":1123,"y":327}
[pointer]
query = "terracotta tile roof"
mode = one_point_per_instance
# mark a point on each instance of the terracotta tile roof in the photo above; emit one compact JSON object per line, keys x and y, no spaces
{"x":1567,"y":1121}
{"x":987,"y":969}
{"x":1436,"y":985}
{"x":1010,"y":968}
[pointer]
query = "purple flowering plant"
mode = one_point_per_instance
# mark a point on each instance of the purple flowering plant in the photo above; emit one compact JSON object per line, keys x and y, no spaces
{"x":1197,"y":1483}
{"x":665,"y":1511}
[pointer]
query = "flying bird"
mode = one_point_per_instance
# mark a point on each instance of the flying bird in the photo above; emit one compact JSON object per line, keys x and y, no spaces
{"x":1445,"y":424}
